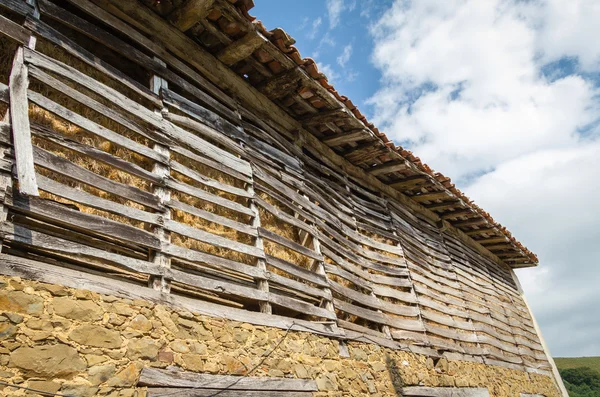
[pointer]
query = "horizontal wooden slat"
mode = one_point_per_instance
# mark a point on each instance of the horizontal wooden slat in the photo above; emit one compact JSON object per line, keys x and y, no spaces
{"x":167,"y":378}
{"x":421,"y":391}
{"x":274,"y":237}
{"x":213,"y":239}
{"x":56,"y":213}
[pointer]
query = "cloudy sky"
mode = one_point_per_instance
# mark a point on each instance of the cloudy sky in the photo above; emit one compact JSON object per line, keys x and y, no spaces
{"x":502,"y":96}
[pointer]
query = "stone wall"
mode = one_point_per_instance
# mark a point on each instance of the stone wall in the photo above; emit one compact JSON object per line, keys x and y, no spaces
{"x":81,"y":343}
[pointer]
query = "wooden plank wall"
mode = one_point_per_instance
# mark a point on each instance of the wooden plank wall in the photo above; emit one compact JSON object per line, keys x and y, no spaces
{"x":177,"y":184}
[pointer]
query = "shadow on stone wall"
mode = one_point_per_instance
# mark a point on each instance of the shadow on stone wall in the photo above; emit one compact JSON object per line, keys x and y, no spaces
{"x":394,"y":374}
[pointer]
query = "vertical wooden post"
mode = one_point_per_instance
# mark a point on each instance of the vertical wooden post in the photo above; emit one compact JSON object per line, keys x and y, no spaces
{"x":557,"y":378}
{"x":262,"y":284}
{"x":412,"y":284}
{"x":319,"y":268}
{"x":164,"y":195}
{"x":18,"y":84}
{"x":384,"y":328}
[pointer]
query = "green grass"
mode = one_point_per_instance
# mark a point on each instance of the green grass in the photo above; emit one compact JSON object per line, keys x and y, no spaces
{"x":577,"y":362}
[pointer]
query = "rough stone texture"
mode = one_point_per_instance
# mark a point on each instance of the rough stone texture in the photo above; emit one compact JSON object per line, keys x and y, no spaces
{"x":93,"y":345}
{"x":97,"y":336}
{"x":82,"y":310}
{"x":48,"y":361}
{"x":145,"y":349}
{"x":20,"y":302}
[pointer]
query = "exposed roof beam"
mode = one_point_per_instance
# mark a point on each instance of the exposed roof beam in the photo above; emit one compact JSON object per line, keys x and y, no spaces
{"x":335,"y":115}
{"x":484,"y":230}
{"x":458,"y":212}
{"x":190,"y":13}
{"x":430,"y":196}
{"x":497,"y":247}
{"x":410,"y":182}
{"x":281,"y":84}
{"x":444,"y":205}
{"x":347,"y":137}
{"x":242,"y":48}
{"x":493,"y":240}
{"x":389,"y":167}
{"x":469,"y":222}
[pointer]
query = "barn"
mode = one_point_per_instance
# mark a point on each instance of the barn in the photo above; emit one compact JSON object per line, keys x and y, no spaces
{"x":189,"y":208}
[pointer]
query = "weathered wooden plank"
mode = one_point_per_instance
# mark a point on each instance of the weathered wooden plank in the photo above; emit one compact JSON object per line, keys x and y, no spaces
{"x":161,"y":392}
{"x":104,"y":38}
{"x":207,"y":196}
{"x":19,"y":117}
{"x":212,"y":261}
{"x":98,"y":155}
{"x":219,"y":286}
{"x":141,"y":112}
{"x":373,"y":302}
{"x":56,"y":213}
{"x":241,"y":48}
{"x":54,"y":36}
{"x":205,"y":116}
{"x":211,"y":163}
{"x":173,"y":378}
{"x":88,"y":125}
{"x":389,"y":167}
{"x":211,"y":217}
{"x":22,"y":235}
{"x":14,"y":31}
{"x":430,"y":196}
{"x":284,"y":217}
{"x":281,"y":84}
{"x":206,"y":181}
{"x":188,"y":14}
{"x":372,"y":315}
{"x":410,"y":183}
{"x":18,"y":6}
{"x":151,"y":45}
{"x":300,"y":306}
{"x":347,"y":137}
{"x":271,"y":236}
{"x":298,"y":288}
{"x":212,"y":239}
{"x":407,"y":297}
{"x":66,"y":168}
{"x":90,"y":200}
{"x":225,"y":133}
{"x":34,"y":270}
{"x":296,"y":271}
{"x":421,"y":391}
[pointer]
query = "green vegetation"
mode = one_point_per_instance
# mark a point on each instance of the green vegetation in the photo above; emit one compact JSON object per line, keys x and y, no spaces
{"x":578,"y":362}
{"x":581,"y":375}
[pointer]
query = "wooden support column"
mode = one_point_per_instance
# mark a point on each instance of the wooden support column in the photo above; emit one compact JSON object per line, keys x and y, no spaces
{"x":18,"y":83}
{"x":164,"y":194}
{"x":394,"y":228}
{"x":556,"y":375}
{"x":263,"y":285}
{"x":384,"y":328}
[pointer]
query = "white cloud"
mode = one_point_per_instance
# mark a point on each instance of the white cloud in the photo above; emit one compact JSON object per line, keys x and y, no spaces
{"x":314,"y":28}
{"x":334,"y":12}
{"x":345,"y":56}
{"x":566,"y":29}
{"x":462,"y":86}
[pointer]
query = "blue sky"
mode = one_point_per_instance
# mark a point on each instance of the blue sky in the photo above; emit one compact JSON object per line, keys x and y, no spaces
{"x":503,"y":96}
{"x":309,"y":22}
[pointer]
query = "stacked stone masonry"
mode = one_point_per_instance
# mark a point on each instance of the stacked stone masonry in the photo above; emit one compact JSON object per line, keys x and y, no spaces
{"x":80,"y":343}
